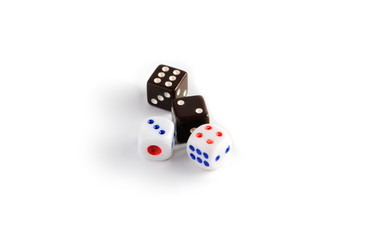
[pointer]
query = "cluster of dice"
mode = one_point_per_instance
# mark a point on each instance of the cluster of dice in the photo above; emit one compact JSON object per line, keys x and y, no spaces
{"x":208,"y":145}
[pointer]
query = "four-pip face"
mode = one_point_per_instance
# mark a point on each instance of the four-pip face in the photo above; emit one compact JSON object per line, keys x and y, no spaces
{"x":156,"y":138}
{"x":208,"y":146}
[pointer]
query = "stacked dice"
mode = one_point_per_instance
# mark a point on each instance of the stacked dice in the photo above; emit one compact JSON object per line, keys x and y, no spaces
{"x":207,"y":145}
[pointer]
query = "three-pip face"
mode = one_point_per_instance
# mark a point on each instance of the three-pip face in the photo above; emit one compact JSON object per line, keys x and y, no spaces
{"x":156,"y":138}
{"x":208,"y":146}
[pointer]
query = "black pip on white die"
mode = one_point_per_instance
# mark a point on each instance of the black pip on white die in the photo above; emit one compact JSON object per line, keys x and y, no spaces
{"x":165,"y":84}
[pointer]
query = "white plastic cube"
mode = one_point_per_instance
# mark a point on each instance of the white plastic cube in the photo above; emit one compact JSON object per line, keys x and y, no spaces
{"x":208,"y":147}
{"x":156,"y":138}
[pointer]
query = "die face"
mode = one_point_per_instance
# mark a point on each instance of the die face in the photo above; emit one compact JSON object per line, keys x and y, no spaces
{"x":156,"y":138}
{"x":188,"y":113}
{"x":165,"y":84}
{"x":208,"y":146}
{"x":159,"y":96}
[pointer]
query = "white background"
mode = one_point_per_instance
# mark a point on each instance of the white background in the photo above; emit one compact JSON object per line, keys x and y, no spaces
{"x":289,"y":80}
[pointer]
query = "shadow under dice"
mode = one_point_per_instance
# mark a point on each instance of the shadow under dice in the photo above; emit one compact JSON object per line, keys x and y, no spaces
{"x":156,"y":138}
{"x":165,"y":84}
{"x":208,"y":146}
{"x":188,"y":113}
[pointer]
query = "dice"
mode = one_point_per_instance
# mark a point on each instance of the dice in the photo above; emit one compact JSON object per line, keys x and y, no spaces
{"x":208,"y":146}
{"x":166,"y":84}
{"x":188,"y":113}
{"x":156,"y":138}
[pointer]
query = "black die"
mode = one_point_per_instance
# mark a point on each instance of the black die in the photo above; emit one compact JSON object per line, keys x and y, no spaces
{"x":188,"y":113}
{"x":165,"y":84}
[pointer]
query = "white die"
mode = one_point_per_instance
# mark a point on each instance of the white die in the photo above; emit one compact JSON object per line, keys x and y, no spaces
{"x":156,"y":138}
{"x":208,"y":146}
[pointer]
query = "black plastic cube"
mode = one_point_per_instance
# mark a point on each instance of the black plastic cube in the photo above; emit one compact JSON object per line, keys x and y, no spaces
{"x":165,"y":84}
{"x":188,"y":113}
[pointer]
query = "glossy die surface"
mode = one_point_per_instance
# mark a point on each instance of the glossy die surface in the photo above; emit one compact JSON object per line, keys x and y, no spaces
{"x":156,"y":138}
{"x":188,"y":113}
{"x":208,"y":146}
{"x":166,"y":84}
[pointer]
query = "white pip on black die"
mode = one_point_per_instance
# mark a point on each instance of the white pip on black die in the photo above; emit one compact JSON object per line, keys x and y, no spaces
{"x":165,"y":84}
{"x":208,"y":146}
{"x":156,"y":138}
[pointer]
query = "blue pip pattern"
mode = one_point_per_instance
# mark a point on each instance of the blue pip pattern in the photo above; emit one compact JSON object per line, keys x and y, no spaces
{"x":197,"y":154}
{"x":173,"y":140}
{"x":156,"y":127}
